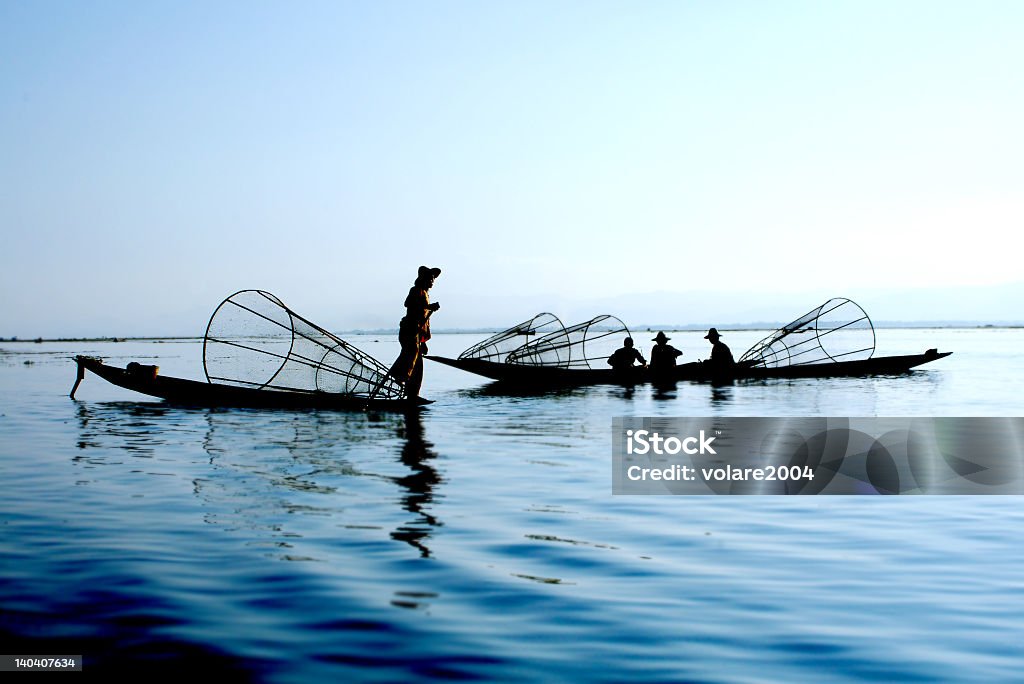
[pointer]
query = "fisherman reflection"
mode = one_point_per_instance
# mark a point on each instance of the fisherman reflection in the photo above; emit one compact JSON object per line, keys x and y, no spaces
{"x":417,"y":453}
{"x":627,"y":389}
{"x":721,"y":393}
{"x":622,"y":359}
{"x":414,"y":331}
{"x":664,"y":389}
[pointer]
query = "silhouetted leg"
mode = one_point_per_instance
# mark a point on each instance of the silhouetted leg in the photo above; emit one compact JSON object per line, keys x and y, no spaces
{"x":405,"y":364}
{"x":402,"y":366}
{"x":412,"y":388}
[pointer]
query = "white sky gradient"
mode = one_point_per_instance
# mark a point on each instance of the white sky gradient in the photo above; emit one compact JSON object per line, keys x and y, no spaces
{"x":731,"y":160}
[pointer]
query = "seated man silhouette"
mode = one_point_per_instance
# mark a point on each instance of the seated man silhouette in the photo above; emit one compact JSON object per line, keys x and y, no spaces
{"x":623,"y":358}
{"x":663,"y":355}
{"x":721,"y":358}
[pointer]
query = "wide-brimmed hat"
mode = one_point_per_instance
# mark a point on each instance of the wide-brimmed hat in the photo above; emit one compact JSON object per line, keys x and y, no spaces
{"x":712,"y":333}
{"x":432,"y":272}
{"x":660,"y":337}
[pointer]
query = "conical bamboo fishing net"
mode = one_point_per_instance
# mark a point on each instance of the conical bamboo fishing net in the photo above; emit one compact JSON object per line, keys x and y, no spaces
{"x":838,"y":330}
{"x":498,"y":347}
{"x":584,"y":345}
{"x":253,"y":340}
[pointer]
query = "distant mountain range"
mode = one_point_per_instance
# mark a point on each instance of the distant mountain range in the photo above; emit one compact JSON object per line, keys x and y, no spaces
{"x":999,"y":305}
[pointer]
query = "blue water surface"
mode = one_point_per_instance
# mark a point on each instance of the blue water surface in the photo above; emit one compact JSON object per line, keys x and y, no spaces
{"x":479,"y":539}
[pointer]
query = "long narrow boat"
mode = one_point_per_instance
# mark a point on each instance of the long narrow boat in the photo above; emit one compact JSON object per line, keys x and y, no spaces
{"x":257,"y":352}
{"x":146,"y":380}
{"x":546,"y":376}
{"x":835,"y":339}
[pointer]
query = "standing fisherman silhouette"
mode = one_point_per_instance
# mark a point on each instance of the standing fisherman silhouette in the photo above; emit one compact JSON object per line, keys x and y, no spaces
{"x":414,"y":331}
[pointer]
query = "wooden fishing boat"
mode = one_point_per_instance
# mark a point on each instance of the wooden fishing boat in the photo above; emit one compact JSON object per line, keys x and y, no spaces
{"x":548,"y":376}
{"x":258,"y":352}
{"x":146,"y":380}
{"x":836,"y":339}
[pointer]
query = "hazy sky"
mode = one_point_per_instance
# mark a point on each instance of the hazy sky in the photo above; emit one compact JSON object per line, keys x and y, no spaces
{"x":158,"y":156}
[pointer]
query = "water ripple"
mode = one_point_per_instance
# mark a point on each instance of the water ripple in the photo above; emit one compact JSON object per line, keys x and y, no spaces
{"x":478,"y":539}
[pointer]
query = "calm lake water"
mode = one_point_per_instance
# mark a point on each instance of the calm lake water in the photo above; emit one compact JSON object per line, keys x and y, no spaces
{"x":482,"y":541}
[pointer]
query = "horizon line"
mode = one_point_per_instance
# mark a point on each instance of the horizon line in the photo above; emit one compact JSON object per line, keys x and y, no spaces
{"x":757,"y":326}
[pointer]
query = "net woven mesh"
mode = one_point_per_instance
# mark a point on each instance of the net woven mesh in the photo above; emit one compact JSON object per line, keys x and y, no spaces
{"x":498,"y":347}
{"x":584,"y":345}
{"x":838,"y":330}
{"x":253,"y":340}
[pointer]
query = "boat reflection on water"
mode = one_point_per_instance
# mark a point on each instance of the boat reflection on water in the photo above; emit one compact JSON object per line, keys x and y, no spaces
{"x":254,"y":470}
{"x":131,"y":427}
{"x":339,"y":467}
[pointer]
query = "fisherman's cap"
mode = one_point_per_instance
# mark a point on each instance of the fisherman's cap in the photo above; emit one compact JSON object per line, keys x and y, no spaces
{"x":660,"y":338}
{"x":712,"y":333}
{"x":432,"y":272}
